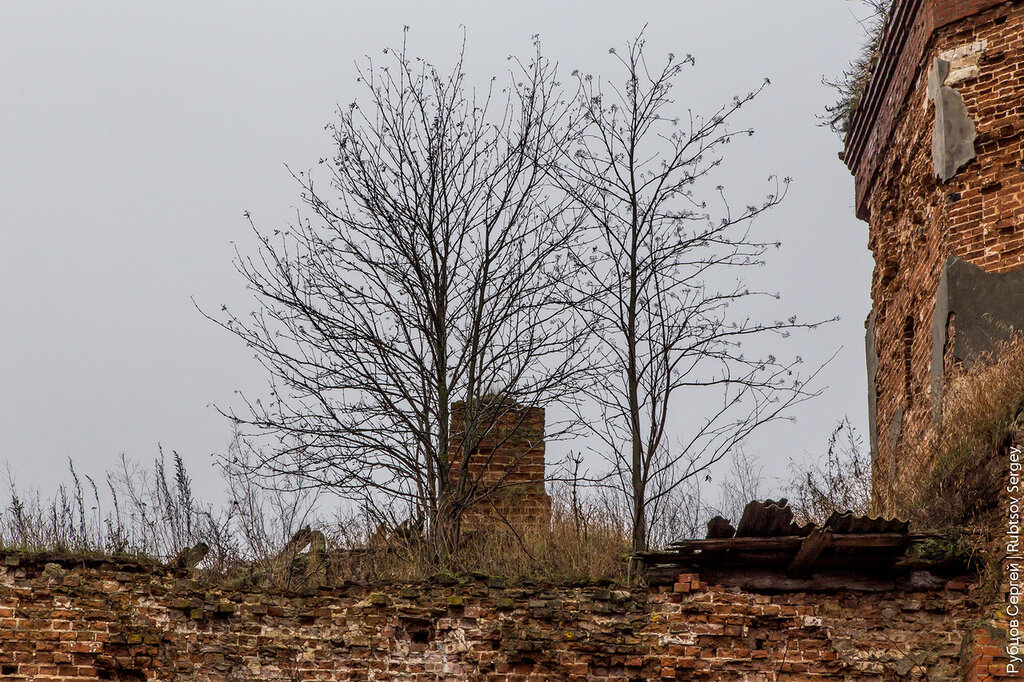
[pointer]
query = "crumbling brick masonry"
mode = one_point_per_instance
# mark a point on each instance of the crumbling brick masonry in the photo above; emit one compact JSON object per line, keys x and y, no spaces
{"x":77,"y":619}
{"x":507,"y":466}
{"x":937,"y":149}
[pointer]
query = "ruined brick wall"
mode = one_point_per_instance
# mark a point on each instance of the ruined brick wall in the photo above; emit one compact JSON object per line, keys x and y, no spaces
{"x":63,"y":619}
{"x":916,"y":221}
{"x":508,"y":463}
{"x":908,"y":35}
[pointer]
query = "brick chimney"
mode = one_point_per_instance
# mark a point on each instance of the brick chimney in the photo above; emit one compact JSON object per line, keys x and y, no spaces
{"x":508,"y":458}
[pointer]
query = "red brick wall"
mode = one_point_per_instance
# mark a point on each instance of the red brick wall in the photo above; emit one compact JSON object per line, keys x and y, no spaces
{"x":880,"y":106}
{"x":509,"y":460}
{"x":916,"y":222}
{"x":85,"y":620}
{"x":903,"y":60}
{"x":947,"y":11}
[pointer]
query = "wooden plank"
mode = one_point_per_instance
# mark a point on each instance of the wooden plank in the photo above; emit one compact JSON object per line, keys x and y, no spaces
{"x":787,"y":542}
{"x":755,"y":580}
{"x":851,"y":551}
{"x":662,"y":575}
{"x":792,"y":542}
{"x":871,"y":540}
{"x":744,"y":560}
{"x":810,"y":549}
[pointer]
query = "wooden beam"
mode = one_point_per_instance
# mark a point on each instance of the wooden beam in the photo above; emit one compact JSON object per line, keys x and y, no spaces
{"x":786,"y":542}
{"x":793,"y":542}
{"x":755,"y":580}
{"x":810,"y":549}
{"x":871,"y":540}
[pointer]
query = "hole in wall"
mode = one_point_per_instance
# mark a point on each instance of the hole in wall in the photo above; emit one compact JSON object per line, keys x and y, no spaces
{"x":418,"y":630}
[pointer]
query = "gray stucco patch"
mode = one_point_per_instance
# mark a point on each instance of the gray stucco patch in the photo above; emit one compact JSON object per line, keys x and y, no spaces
{"x":897,"y":424}
{"x":937,"y":77}
{"x":954,"y":136}
{"x":987,"y":306}
{"x":872,"y":358}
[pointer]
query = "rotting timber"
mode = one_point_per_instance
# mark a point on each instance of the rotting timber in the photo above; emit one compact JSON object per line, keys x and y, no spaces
{"x":768,"y":552}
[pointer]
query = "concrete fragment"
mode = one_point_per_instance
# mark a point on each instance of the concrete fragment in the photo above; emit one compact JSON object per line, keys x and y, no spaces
{"x":937,"y":77}
{"x":897,"y":424}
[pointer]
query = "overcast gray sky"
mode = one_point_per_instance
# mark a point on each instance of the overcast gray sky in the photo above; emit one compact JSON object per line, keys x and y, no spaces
{"x":134,"y":135}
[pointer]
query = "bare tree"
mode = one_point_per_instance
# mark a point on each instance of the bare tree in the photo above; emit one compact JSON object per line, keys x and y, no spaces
{"x":431,"y":272}
{"x":264,"y":520}
{"x":665,"y":283}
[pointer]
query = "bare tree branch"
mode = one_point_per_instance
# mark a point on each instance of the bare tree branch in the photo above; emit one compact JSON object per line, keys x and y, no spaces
{"x":433,"y":269}
{"x":655,"y":263}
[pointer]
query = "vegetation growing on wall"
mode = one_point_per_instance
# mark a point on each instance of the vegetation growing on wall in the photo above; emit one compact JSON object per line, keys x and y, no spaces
{"x":839,"y":482}
{"x":151,"y":513}
{"x":849,"y":86}
{"x":982,"y":414}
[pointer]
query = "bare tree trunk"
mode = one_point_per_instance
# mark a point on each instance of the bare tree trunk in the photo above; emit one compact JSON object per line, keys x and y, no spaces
{"x":663,"y":273}
{"x":435,"y":273}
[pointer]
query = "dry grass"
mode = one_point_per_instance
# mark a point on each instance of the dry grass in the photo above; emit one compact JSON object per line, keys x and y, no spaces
{"x":133,"y":511}
{"x":563,"y":552}
{"x":152,"y":513}
{"x":585,"y":542}
{"x":850,"y":85}
{"x":839,"y":482}
{"x":964,"y":462}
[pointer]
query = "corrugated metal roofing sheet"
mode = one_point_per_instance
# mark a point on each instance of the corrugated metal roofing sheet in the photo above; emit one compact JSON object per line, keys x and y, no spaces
{"x":770,"y":519}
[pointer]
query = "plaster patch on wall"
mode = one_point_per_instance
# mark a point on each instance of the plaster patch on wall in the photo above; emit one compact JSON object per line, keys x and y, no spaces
{"x":897,"y":424}
{"x":964,"y":61}
{"x":872,"y":362}
{"x":955,"y":133}
{"x":988,"y":306}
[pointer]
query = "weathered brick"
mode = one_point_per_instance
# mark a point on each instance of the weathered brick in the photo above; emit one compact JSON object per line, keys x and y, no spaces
{"x":473,"y":631}
{"x":916,"y":222}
